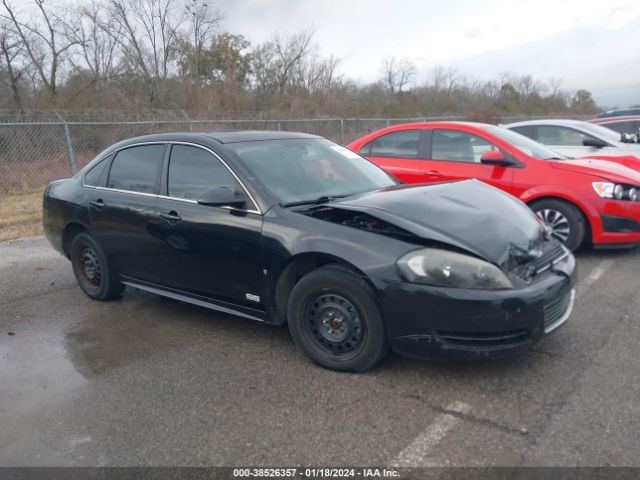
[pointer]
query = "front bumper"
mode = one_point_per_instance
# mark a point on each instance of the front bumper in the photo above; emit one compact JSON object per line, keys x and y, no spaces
{"x":614,"y":223}
{"x":436,"y":322}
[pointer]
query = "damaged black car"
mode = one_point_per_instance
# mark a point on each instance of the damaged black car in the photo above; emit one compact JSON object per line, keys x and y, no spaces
{"x":289,"y":228}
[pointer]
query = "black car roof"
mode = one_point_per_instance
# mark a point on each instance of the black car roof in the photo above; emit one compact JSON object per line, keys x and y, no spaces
{"x":257,"y":135}
{"x":222,"y":137}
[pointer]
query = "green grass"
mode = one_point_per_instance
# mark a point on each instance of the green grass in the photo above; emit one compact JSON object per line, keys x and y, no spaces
{"x":20,"y":214}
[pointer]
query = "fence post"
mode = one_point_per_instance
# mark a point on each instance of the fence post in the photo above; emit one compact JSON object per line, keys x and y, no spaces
{"x":72,"y":153}
{"x":342,"y":131}
{"x":279,"y":125}
{"x":188,"y":119}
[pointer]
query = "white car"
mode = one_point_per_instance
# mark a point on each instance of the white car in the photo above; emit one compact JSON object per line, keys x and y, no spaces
{"x":575,"y":138}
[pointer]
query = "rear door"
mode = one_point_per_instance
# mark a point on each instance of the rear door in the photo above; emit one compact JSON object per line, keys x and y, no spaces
{"x":455,"y":155}
{"x":205,"y":250}
{"x":123,"y":209}
{"x":400,"y":154}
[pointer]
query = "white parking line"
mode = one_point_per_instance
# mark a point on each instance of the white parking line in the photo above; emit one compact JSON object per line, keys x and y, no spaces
{"x":594,"y":276}
{"x":415,"y":454}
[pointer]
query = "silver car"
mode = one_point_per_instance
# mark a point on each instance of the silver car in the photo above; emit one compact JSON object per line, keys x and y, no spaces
{"x":575,"y":138}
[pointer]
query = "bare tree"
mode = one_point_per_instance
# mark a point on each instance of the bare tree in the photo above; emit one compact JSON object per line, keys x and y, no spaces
{"x":149,"y":38}
{"x":397,"y":73}
{"x":451,"y":77}
{"x":203,"y":20}
{"x":290,"y":51}
{"x":44,"y":39}
{"x":98,"y":36}
{"x":10,"y":48}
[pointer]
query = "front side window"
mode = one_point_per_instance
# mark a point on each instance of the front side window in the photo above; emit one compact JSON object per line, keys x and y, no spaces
{"x":136,"y":169}
{"x":456,"y":146}
{"x":561,"y":136}
{"x":194,"y":171}
{"x":403,"y":144}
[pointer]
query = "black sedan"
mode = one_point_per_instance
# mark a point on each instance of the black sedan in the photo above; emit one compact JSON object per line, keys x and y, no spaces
{"x":292,"y":228}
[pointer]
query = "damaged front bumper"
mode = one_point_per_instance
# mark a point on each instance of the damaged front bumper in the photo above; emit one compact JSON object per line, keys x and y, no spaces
{"x":437,"y":322}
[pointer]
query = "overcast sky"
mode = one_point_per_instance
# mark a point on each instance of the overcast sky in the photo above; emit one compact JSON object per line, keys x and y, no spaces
{"x":586,"y":43}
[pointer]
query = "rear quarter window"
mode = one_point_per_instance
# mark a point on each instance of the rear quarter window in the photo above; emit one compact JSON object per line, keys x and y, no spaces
{"x":94,"y":174}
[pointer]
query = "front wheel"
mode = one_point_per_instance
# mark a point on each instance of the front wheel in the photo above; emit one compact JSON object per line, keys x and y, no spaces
{"x":335,"y":320}
{"x":564,"y":221}
{"x":91,"y":269}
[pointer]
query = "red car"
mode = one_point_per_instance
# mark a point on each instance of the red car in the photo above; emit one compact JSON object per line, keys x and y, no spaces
{"x":626,"y":125}
{"x":578,"y":199}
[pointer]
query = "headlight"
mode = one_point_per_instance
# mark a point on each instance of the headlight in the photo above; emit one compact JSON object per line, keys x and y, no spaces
{"x":616,"y":191}
{"x":604,"y":189}
{"x":443,"y":268}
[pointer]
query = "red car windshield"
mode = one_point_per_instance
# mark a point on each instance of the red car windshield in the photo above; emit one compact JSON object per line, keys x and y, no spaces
{"x":525,"y":144}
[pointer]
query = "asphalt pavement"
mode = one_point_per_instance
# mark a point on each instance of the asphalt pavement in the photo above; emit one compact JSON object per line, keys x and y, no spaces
{"x":146,"y":380}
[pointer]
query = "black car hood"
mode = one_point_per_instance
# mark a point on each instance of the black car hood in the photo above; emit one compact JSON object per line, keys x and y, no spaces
{"x":469,"y":215}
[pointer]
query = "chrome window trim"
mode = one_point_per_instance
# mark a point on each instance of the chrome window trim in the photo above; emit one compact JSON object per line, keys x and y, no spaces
{"x":256,"y":210}
{"x":144,"y":194}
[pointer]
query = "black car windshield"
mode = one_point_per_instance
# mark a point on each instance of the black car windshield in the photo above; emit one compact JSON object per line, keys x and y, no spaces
{"x":525,"y":144}
{"x":305,"y":170}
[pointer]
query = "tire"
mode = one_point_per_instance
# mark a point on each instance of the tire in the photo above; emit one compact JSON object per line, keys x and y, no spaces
{"x":566,"y":221}
{"x":91,"y":269}
{"x":334,"y":318}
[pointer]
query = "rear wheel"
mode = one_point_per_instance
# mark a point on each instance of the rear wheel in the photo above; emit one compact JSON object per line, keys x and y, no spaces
{"x":91,"y":269}
{"x":564,"y":220}
{"x":335,"y":320}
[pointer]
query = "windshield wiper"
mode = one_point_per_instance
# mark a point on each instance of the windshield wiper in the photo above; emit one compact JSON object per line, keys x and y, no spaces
{"x":313,"y":201}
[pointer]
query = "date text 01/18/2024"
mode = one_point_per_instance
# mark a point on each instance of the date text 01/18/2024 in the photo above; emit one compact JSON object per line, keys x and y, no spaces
{"x":315,"y":472}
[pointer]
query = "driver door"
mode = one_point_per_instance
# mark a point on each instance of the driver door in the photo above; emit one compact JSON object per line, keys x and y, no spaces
{"x":207,"y":251}
{"x":455,"y":155}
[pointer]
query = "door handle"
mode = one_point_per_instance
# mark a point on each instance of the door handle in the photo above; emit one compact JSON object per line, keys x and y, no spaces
{"x":432,"y":173}
{"x":98,"y":204}
{"x":171,"y":217}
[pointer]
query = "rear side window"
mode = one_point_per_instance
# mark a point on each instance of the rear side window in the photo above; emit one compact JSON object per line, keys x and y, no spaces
{"x":193,"y":171}
{"x":92,"y":177}
{"x":403,"y":144}
{"x":136,"y":169}
{"x":527,"y":131}
{"x":458,"y":146}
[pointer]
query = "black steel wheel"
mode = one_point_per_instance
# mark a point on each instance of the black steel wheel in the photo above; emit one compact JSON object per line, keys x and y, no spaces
{"x":335,"y":320}
{"x":334,"y":326}
{"x":91,"y":269}
{"x":564,"y":221}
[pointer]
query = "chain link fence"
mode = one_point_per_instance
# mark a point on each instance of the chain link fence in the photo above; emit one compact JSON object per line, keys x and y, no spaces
{"x":50,"y":146}
{"x":34,"y":153}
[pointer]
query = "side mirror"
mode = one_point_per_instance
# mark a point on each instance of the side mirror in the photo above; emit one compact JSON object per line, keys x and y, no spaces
{"x":222,"y":197}
{"x":594,"y":142}
{"x":495,"y":157}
